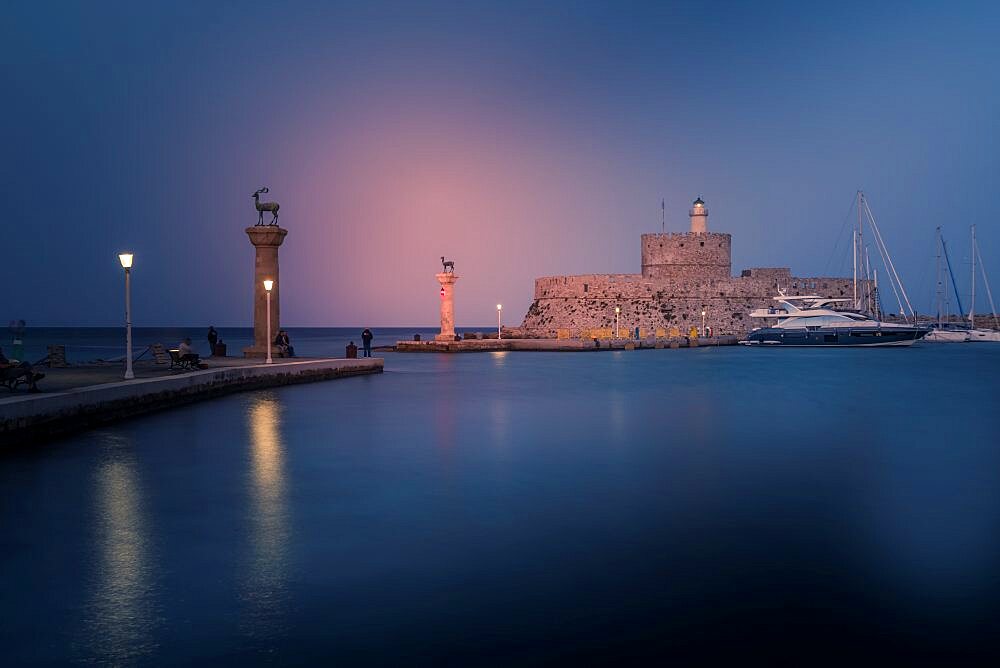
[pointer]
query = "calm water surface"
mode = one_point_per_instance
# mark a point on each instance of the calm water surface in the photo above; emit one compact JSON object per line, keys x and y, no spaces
{"x":527,"y":508}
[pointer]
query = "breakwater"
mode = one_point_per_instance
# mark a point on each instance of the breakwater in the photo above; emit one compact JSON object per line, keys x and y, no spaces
{"x":559,"y":345}
{"x":26,"y":417}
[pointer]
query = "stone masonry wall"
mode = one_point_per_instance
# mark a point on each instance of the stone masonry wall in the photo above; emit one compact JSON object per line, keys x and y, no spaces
{"x":687,"y":255}
{"x":587,"y":302}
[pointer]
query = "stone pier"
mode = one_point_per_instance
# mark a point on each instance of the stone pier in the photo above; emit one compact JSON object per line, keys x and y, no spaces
{"x":447,"y":281}
{"x":266,"y":239}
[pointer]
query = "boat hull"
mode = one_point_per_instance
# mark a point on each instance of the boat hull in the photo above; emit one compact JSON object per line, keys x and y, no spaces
{"x":984,"y":335}
{"x":947,"y":336}
{"x":856,"y":337}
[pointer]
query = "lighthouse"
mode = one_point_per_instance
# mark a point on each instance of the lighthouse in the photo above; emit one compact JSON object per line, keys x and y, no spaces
{"x":699,"y":217}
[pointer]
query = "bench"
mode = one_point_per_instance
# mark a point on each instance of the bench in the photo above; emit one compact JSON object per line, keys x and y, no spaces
{"x":160,"y":355}
{"x":185,"y":362}
{"x":23,"y":374}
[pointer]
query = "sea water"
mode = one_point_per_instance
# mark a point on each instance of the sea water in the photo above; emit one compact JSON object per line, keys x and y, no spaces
{"x":525,"y":508}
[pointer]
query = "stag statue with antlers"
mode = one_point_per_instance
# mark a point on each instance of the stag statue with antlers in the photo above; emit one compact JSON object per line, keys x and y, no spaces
{"x":265,"y":206}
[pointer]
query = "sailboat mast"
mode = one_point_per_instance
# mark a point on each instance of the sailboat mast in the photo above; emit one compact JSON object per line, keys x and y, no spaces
{"x":875,"y":301}
{"x":854,"y":251}
{"x":868,"y":284}
{"x":972,"y":306}
{"x":939,"y":295}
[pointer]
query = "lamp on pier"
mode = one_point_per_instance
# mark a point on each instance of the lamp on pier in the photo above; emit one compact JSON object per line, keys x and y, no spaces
{"x":125,"y":258}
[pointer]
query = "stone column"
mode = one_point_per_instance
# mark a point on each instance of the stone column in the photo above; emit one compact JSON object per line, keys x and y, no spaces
{"x":447,"y":282}
{"x":265,"y":239}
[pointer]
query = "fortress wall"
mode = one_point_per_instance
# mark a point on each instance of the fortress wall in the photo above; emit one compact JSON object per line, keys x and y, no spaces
{"x":562,"y":303}
{"x":688,"y":255}
{"x":774,"y":273}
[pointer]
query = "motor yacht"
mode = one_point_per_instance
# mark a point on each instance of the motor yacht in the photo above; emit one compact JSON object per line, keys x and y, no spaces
{"x":810,"y":320}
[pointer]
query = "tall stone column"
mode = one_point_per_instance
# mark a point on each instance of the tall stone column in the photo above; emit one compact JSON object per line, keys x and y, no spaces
{"x":447,"y":281}
{"x":265,"y":239}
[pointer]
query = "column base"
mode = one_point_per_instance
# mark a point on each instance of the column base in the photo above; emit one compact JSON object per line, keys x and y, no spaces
{"x":444,"y":337}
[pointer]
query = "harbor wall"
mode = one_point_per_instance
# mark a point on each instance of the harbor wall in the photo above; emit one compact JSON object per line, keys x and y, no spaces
{"x":38,"y":416}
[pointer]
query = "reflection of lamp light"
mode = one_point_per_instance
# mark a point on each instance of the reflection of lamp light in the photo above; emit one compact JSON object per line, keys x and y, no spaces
{"x":268,"y":284}
{"x":499,"y":310}
{"x":126,"y":260}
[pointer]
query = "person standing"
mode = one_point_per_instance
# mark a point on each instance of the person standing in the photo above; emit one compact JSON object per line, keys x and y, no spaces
{"x":366,"y":339}
{"x":213,"y":338}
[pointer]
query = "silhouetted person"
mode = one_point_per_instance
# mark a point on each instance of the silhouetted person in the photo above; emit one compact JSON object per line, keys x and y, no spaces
{"x":284,"y":344}
{"x":186,"y":351}
{"x":366,"y":340}
{"x":352,"y":351}
{"x":213,"y":338}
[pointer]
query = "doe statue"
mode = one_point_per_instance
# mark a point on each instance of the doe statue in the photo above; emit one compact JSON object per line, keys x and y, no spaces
{"x":265,"y":206}
{"x":449,"y":266}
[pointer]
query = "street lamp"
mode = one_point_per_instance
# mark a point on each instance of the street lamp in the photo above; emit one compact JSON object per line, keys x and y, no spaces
{"x":617,"y":312}
{"x":703,"y":322}
{"x":499,"y":309}
{"x":268,"y":284}
{"x":126,"y":260}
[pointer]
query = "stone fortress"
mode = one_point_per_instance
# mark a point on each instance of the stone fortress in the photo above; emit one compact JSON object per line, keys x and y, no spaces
{"x":683,"y":275}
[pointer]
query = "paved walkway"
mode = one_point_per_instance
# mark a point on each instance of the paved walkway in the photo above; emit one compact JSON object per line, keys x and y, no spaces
{"x":81,"y":397}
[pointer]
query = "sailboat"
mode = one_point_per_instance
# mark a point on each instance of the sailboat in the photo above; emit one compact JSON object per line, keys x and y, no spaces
{"x":942,"y":331}
{"x":979,"y":334}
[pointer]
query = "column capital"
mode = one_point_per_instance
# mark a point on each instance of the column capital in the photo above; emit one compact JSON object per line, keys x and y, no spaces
{"x":266,"y":235}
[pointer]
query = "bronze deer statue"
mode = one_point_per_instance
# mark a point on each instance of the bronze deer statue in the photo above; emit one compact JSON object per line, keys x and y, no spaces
{"x":449,"y":266}
{"x":265,"y":206}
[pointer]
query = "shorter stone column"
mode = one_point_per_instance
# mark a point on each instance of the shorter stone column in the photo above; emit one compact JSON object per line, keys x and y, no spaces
{"x":447,"y":281}
{"x":265,"y":239}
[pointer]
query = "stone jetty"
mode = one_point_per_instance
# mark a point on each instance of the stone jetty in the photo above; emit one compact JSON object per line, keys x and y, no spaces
{"x":25,"y":417}
{"x":559,"y":345}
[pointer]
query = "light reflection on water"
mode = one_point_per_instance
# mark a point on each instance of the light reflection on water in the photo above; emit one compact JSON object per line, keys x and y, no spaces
{"x":120,"y":619}
{"x":466,"y":506}
{"x":264,"y":587}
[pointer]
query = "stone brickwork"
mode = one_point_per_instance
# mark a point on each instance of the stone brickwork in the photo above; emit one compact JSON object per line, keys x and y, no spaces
{"x":682,"y":275}
{"x":688,"y":256}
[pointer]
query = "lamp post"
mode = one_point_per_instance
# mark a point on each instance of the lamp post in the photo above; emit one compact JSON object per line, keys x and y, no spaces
{"x":703,"y":322}
{"x":499,"y":310}
{"x":268,"y":284}
{"x":617,"y":313}
{"x":126,"y":260}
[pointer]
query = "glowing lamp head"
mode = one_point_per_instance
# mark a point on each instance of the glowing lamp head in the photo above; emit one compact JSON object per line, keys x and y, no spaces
{"x":126,"y":260}
{"x":699,"y":203}
{"x":618,"y":309}
{"x":268,"y":284}
{"x":703,"y":312}
{"x":499,"y":307}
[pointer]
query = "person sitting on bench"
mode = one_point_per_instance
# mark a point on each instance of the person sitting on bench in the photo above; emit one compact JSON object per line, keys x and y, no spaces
{"x":187,"y":353}
{"x":284,"y":344}
{"x":13,"y":374}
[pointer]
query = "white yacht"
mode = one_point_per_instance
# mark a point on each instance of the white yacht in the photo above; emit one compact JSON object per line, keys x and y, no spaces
{"x":810,"y":320}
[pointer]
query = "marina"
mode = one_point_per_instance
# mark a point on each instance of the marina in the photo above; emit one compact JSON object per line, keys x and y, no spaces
{"x":292,"y":292}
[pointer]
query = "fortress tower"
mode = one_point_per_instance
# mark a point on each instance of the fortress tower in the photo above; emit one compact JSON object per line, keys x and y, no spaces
{"x":699,"y":217}
{"x":697,"y":254}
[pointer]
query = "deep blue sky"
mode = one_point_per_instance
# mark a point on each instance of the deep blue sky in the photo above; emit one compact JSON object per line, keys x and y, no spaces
{"x":522,"y":139}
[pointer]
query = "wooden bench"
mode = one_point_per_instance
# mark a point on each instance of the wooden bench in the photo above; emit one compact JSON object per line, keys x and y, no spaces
{"x":12,"y":376}
{"x":160,"y":354}
{"x":185,"y":362}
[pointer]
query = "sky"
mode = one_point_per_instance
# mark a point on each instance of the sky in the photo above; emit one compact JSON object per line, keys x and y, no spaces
{"x":520,"y":139}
